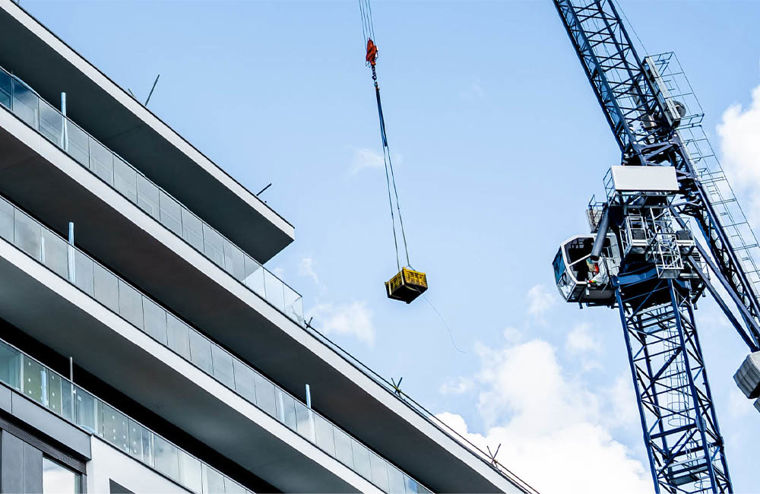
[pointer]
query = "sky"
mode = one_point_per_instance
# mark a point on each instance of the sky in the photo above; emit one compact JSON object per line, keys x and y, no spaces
{"x":498,"y":143}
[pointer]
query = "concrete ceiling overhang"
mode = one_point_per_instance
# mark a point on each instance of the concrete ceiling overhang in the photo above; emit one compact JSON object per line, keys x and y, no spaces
{"x":111,"y":115}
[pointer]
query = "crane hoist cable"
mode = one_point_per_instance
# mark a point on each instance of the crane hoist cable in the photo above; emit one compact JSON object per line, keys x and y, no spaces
{"x":408,"y":284}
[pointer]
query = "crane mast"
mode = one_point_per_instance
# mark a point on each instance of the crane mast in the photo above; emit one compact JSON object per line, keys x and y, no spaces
{"x":641,"y":256}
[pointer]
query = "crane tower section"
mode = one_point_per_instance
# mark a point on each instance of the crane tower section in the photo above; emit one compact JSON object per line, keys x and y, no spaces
{"x":641,"y":256}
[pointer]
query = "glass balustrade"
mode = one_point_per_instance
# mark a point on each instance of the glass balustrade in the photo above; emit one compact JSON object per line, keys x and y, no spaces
{"x":47,"y":247}
{"x":127,"y":180}
{"x":59,"y":395}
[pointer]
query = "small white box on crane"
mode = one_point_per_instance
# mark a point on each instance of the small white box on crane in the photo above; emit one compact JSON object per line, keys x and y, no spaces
{"x":644,"y":179}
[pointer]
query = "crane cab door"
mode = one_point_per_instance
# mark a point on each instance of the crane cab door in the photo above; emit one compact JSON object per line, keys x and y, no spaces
{"x":581,"y":280}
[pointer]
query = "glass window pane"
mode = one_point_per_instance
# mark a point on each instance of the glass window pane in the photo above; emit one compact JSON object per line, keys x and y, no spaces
{"x":213,"y":482}
{"x":125,"y":179}
{"x":78,"y":145}
{"x":170,"y":213}
{"x":114,"y":427}
{"x":101,"y":161}
{"x":361,"y":459}
{"x":343,"y":448}
{"x":6,"y":220}
{"x":85,"y":410}
{"x":222,"y":362}
{"x":190,"y":472}
{"x":34,"y":380}
{"x":51,"y":124}
{"x":178,"y":336}
{"x":106,"y":288}
{"x":274,"y":290}
{"x":324,"y":434}
{"x":166,"y":458}
{"x":234,"y":261}
{"x":379,"y":471}
{"x":213,"y":246}
{"x":130,"y":304}
{"x":286,"y":409}
{"x":57,"y":479}
{"x":244,"y":381}
{"x":200,"y":352}
{"x":83,"y":268}
{"x":28,"y":234}
{"x":155,"y":320}
{"x":25,"y":104}
{"x":265,"y":394}
{"x":147,"y":196}
{"x":192,"y":229}
{"x":55,"y":253}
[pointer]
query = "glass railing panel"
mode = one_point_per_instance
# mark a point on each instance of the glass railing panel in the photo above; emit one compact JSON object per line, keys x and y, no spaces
{"x":5,"y":89}
{"x":51,"y":123}
{"x":343,"y":451}
{"x":190,"y":472}
{"x":25,"y":103}
{"x":147,"y":196}
{"x":275,"y":291}
{"x":234,"y":261}
{"x":192,"y":230}
{"x":113,"y":292}
{"x":361,"y":459}
{"x":170,"y":213}
{"x":213,"y":246}
{"x":232,"y":488}
{"x":395,"y":480}
{"x":55,"y":253}
{"x":166,"y":458}
{"x":379,"y":471}
{"x":323,"y":431}
{"x":213,"y":482}
{"x":125,"y":179}
{"x":286,"y":409}
{"x":200,"y":352}
{"x":33,"y":377}
{"x":77,"y":144}
{"x":222,"y":363}
{"x":178,"y":336}
{"x":154,"y":318}
{"x":101,"y":161}
{"x":10,"y":366}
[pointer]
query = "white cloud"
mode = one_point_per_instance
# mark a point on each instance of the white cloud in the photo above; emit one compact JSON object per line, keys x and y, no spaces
{"x":740,"y":146}
{"x":365,"y":158}
{"x":306,"y":268}
{"x":553,"y":431}
{"x":352,"y":319}
{"x":457,"y":386}
{"x":580,"y":340}
{"x":540,"y":300}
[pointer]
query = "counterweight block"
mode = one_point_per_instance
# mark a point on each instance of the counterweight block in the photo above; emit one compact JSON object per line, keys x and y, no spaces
{"x":407,"y":285}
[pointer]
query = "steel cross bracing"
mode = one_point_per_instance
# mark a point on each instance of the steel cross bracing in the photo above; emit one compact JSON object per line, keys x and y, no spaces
{"x":680,"y":428}
{"x":675,"y":404}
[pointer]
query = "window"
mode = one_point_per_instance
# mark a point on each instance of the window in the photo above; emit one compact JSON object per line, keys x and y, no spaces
{"x":57,"y":479}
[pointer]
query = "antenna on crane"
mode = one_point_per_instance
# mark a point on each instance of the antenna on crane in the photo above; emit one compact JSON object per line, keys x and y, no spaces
{"x":408,"y":284}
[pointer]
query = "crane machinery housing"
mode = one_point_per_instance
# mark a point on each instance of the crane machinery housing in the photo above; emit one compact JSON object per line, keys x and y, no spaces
{"x":642,"y":257}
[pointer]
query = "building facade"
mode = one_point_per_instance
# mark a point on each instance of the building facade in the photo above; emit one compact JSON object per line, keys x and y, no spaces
{"x":144,"y":347}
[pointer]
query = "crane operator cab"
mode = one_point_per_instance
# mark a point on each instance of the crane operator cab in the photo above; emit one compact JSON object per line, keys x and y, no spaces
{"x":584,"y":280}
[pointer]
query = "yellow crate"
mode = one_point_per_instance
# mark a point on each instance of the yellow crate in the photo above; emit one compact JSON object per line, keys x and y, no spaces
{"x":406,"y":285}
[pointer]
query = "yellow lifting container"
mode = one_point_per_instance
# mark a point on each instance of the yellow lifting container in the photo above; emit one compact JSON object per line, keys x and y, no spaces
{"x":407,"y":285}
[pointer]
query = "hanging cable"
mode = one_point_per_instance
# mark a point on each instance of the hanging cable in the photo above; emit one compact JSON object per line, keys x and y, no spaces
{"x":368,"y":32}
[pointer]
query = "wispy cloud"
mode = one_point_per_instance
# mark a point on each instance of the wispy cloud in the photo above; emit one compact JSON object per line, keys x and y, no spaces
{"x":581,"y":340}
{"x":739,"y":133}
{"x":366,"y":159}
{"x":540,"y":300}
{"x":352,"y":319}
{"x":306,"y":268}
{"x":542,"y":414}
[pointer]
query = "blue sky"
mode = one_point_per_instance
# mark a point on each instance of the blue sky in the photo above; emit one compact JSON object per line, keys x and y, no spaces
{"x":498,"y":143}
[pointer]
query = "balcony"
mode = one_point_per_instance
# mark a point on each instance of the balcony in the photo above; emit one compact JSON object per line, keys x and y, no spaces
{"x":113,"y":293}
{"x":35,"y":112}
{"x":123,"y":124}
{"x":57,"y":394}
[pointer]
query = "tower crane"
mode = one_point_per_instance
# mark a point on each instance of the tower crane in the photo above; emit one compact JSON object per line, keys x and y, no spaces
{"x":643,"y":258}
